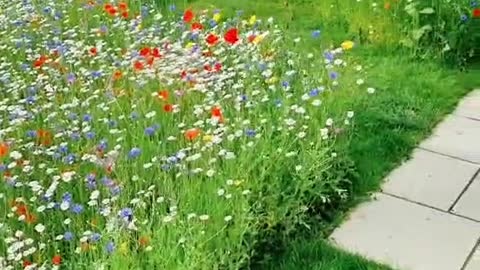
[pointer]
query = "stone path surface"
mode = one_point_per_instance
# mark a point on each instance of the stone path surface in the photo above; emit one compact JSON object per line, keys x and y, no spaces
{"x":427,"y":216}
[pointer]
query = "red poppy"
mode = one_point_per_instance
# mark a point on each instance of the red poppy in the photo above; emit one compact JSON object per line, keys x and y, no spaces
{"x":107,"y":7}
{"x":197,"y":26}
{"x":191,"y":134}
{"x":145,"y":52}
{"x":251,"y":38}
{"x":163,"y":94}
{"x":216,"y":112}
{"x":188,"y":16}
{"x":167,"y":108}
{"x":138,"y":65}
{"x":26,"y":264}
{"x":40,"y":61}
{"x":156,"y":53}
{"x":112,"y":11}
{"x":57,"y":260}
{"x":3,"y":150}
{"x":211,"y":39}
{"x":125,"y":14}
{"x":122,"y":6}
{"x":218,"y":67}
{"x":207,"y":67}
{"x":93,"y":51}
{"x":117,"y":75}
{"x":476,"y":13}
{"x":231,"y":36}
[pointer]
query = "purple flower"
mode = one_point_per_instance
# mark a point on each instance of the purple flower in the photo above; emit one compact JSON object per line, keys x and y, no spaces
{"x":68,"y":236}
{"x":333,"y":75}
{"x":95,"y":237}
{"x":110,"y":247}
{"x":127,"y":214}
{"x":87,"y":118}
{"x":135,"y":152}
{"x":77,"y":209}
{"x":316,"y":34}
{"x":149,"y":131}
{"x":71,"y":78}
{"x":250,"y":132}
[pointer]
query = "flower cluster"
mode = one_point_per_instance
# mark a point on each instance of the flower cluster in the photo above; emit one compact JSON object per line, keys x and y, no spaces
{"x":125,"y":130}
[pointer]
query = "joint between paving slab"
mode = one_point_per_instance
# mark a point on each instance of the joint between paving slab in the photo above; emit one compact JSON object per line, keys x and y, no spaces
{"x":431,"y":207}
{"x":470,"y":255}
{"x":450,"y":156}
{"x":470,"y":182}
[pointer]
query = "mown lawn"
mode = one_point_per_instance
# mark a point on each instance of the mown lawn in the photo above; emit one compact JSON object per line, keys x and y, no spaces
{"x":412,"y":97}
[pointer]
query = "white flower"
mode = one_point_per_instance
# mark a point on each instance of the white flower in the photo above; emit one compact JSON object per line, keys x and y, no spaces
{"x":167,"y":219}
{"x":150,"y":114}
{"x":370,"y":90}
{"x":204,"y":217}
{"x":350,"y":114}
{"x":298,"y":167}
{"x":316,"y":102}
{"x":329,"y":122}
{"x":39,"y":228}
{"x":210,"y":172}
{"x":228,"y":218}
{"x":16,"y":155}
{"x":360,"y":81}
{"x":221,"y":192}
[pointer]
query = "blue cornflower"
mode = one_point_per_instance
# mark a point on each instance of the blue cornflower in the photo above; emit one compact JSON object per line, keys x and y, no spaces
{"x":77,"y":208}
{"x":87,"y":118}
{"x":165,"y":167}
{"x":31,"y":133}
{"x":90,"y":135}
{"x":107,"y":181}
{"x":156,"y":126}
{"x":474,"y":4}
{"x":63,"y":149}
{"x":47,"y":10}
{"x":134,"y":115}
{"x":285,"y":84}
{"x":213,"y":23}
{"x":110,"y":247}
{"x":70,"y":159}
{"x":102,"y":145}
{"x":250,"y":132}
{"x":172,"y":7}
{"x":96,"y":74}
{"x":3,"y":167}
{"x":313,"y":93}
{"x":112,"y":123}
{"x":126,"y":213}
{"x":149,"y":131}
{"x":329,"y":56}
{"x":134,"y":152}
{"x":95,"y":237}
{"x":71,"y":78}
{"x":316,"y":34}
{"x":67,"y":197}
{"x":464,"y":18}
{"x":30,"y":100}
{"x":115,"y":190}
{"x":68,"y":236}
{"x":278,"y":103}
{"x":333,"y":75}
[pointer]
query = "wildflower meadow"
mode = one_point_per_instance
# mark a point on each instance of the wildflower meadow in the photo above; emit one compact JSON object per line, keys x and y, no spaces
{"x":205,"y":134}
{"x":139,"y":138}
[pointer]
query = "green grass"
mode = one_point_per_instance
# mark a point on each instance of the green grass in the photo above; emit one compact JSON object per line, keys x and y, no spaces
{"x":412,"y":97}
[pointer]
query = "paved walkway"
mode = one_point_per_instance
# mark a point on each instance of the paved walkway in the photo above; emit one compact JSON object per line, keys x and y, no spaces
{"x":427,"y":216}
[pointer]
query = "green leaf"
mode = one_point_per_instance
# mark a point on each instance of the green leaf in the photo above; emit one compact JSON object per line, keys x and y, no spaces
{"x":411,"y":9}
{"x":427,"y":10}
